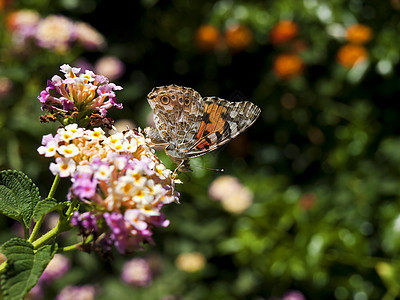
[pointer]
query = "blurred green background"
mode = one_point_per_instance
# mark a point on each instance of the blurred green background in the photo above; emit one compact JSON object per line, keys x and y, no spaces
{"x":318,"y":207}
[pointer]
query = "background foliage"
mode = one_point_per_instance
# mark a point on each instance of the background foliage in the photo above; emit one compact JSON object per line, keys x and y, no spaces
{"x":321,"y":163}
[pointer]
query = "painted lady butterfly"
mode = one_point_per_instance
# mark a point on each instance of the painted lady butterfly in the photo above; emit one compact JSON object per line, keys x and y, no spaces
{"x":189,"y":125}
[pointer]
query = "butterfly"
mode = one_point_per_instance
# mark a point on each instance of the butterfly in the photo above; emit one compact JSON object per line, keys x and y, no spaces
{"x":188,"y":125}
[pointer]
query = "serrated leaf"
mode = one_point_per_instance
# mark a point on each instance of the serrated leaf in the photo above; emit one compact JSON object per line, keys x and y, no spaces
{"x":18,"y":196}
{"x":24,"y":267}
{"x":47,"y":205}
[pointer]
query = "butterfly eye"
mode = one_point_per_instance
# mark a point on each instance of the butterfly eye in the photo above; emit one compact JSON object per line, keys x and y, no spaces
{"x":187,"y":101}
{"x":164,"y":100}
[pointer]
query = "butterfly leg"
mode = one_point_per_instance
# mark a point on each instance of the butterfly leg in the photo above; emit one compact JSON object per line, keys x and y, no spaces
{"x":178,"y":168}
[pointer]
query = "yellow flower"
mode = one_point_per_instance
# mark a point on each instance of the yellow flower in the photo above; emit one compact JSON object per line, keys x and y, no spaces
{"x":234,"y":197}
{"x":238,"y":202}
{"x":190,"y":262}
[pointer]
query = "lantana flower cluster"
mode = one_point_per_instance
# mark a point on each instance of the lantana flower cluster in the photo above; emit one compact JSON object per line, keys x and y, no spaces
{"x":54,"y":32}
{"x":117,"y":178}
{"x":80,"y":98}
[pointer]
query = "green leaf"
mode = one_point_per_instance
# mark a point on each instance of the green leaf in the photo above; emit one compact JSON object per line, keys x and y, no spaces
{"x":47,"y":205}
{"x":24,"y":267}
{"x":18,"y":196}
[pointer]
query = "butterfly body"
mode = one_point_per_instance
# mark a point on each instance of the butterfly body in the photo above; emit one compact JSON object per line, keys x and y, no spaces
{"x":188,"y":125}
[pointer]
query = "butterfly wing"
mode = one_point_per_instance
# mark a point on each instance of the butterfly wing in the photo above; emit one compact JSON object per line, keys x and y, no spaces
{"x":222,"y":121}
{"x":177,"y":114}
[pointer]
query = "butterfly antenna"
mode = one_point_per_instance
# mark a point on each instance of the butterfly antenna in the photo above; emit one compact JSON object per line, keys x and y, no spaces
{"x":209,"y":169}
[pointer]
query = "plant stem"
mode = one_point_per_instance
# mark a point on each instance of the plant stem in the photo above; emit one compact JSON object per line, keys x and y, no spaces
{"x":36,"y":229}
{"x":69,"y":248}
{"x":54,"y":186}
{"x":71,"y":207}
{"x":75,"y":246}
{"x":62,"y":226}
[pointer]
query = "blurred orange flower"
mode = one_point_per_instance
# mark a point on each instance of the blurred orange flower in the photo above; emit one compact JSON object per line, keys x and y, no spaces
{"x":238,"y":37}
{"x":207,"y":37}
{"x":358,"y":34}
{"x":288,"y":65}
{"x":351,"y":54}
{"x":22,"y":19}
{"x":307,"y":201}
{"x":283,"y":32}
{"x":4,"y":4}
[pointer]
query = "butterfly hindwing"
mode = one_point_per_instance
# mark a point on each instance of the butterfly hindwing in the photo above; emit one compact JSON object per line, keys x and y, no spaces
{"x":221,"y":122}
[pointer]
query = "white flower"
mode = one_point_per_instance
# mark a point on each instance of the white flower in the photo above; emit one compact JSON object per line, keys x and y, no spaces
{"x":125,"y":185}
{"x":88,"y":76}
{"x":96,"y":134}
{"x":70,"y":132}
{"x":115,"y":142}
{"x":68,"y":71}
{"x":64,"y":167}
{"x":138,"y":175}
{"x":48,"y":150}
{"x":83,"y":169}
{"x":118,"y":161}
{"x":155,"y":189}
{"x":134,"y":217}
{"x":142,"y":196}
{"x":103,"y":172}
{"x":131,"y":146}
{"x":68,"y":151}
{"x":161,"y":171}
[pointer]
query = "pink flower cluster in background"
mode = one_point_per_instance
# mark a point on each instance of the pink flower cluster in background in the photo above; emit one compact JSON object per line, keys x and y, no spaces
{"x":54,"y":32}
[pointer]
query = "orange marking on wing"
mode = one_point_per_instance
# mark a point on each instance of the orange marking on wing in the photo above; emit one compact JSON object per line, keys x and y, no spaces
{"x":203,"y":124}
{"x":201,"y":129}
{"x":220,"y":124}
{"x":209,"y":108}
{"x":201,"y":145}
{"x":216,"y":123}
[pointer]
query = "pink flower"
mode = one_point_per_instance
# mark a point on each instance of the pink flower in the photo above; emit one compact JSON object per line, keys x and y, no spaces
{"x":79,"y":96}
{"x":89,"y":37}
{"x":84,"y":185}
{"x":293,"y":295}
{"x":85,"y":292}
{"x":110,"y":66}
{"x":57,"y":267}
{"x":55,"y":32}
{"x":137,"y":272}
